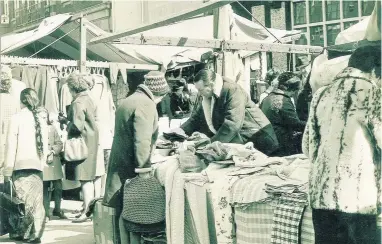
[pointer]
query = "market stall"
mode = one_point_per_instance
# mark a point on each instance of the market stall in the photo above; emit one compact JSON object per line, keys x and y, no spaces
{"x":211,"y":202}
{"x":242,"y":196}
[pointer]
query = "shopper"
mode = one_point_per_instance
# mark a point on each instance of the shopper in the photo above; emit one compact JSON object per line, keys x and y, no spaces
{"x":343,"y":143}
{"x":82,"y":122}
{"x":272,"y":81}
{"x":227,"y":114}
{"x":135,"y":134}
{"x":25,"y":156}
{"x":52,"y":172}
{"x":280,"y":109}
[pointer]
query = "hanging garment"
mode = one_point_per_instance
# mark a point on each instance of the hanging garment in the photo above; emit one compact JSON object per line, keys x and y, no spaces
{"x":40,"y":83}
{"x":113,"y":73}
{"x":65,"y":99}
{"x":16,"y":89}
{"x":29,"y":76}
{"x":51,"y":102}
{"x":17,"y":72}
{"x":9,"y":106}
{"x":103,"y":99}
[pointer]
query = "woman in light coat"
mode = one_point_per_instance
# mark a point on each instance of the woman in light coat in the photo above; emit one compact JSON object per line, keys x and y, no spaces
{"x":82,"y":122}
{"x":25,"y":157}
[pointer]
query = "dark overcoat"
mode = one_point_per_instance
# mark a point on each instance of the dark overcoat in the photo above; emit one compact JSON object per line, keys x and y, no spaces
{"x":135,"y":134}
{"x":236,"y":119}
{"x":281,"y":112}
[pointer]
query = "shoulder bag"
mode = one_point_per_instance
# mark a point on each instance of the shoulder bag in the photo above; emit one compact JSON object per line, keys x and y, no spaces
{"x":75,"y":149}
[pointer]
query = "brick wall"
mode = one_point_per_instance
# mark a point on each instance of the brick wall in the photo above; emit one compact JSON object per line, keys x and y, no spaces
{"x":278,"y":22}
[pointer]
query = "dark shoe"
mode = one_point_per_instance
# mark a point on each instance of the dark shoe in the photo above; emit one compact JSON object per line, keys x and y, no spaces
{"x":59,"y":214}
{"x":81,"y":219}
{"x":16,"y":238}
{"x":37,"y":240}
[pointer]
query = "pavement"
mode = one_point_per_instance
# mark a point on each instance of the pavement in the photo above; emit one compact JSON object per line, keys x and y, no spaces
{"x":64,"y":231}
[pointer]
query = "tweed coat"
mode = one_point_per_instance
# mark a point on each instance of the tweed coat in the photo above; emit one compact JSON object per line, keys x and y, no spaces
{"x":343,"y":142}
{"x":135,"y":134}
{"x":236,"y":119}
{"x":82,"y":119}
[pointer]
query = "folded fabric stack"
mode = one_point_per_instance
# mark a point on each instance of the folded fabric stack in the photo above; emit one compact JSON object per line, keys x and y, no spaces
{"x":287,"y":218}
{"x":277,"y":190}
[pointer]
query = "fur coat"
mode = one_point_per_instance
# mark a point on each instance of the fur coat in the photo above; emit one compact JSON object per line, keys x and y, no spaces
{"x":343,"y":141}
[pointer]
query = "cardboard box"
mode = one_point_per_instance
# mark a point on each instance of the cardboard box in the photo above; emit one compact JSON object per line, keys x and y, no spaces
{"x":105,"y":224}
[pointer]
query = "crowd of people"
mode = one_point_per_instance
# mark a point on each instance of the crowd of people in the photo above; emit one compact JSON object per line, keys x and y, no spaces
{"x":341,"y":137}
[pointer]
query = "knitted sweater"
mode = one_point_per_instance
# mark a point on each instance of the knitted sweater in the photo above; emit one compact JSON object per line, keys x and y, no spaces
{"x":343,"y":141}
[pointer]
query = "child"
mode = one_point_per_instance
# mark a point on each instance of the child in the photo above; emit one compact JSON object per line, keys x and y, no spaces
{"x":53,"y":174}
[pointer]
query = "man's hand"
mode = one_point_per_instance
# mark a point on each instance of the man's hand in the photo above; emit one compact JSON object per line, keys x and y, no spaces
{"x":144,"y":172}
{"x":145,"y":175}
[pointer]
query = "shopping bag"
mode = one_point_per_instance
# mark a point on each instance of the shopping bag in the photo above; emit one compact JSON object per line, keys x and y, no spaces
{"x":11,"y":204}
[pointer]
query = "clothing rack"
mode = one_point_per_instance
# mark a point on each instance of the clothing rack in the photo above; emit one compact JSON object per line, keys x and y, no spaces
{"x":73,"y":63}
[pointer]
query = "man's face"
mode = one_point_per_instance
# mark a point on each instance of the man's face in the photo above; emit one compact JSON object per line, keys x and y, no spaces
{"x":206,"y":91}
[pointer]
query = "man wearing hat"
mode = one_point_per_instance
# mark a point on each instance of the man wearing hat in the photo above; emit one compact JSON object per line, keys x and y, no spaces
{"x":135,"y":134}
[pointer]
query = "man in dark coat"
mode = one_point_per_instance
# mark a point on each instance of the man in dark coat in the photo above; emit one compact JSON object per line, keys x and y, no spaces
{"x":279,"y":108}
{"x":136,"y":131}
{"x":228,"y":115}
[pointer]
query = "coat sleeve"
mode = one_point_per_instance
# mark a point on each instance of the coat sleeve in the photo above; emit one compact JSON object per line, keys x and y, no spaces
{"x":77,"y":120}
{"x":11,"y":146}
{"x":290,"y":117}
{"x":234,"y":115}
{"x":58,"y":145}
{"x":143,"y":134}
{"x":192,"y":124}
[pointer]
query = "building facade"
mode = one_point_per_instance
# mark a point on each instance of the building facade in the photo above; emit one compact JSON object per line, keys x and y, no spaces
{"x":320,"y":20}
{"x":23,"y":15}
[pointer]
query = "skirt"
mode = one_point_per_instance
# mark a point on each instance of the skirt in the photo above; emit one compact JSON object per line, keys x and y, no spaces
{"x":28,"y":187}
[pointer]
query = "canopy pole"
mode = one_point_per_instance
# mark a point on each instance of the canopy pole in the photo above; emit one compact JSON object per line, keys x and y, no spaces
{"x":82,"y":62}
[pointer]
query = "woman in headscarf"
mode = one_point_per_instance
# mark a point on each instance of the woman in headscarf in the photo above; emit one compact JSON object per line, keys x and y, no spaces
{"x":280,"y":109}
{"x":271,"y":80}
{"x":82,"y":122}
{"x":25,"y":156}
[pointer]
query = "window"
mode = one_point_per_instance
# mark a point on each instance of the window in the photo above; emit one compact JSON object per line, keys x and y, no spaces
{"x":299,"y":13}
{"x":302,"y":40}
{"x":332,"y":32}
{"x":317,"y":36}
{"x":332,"y":9}
{"x":349,"y":24}
{"x":315,"y":11}
{"x":367,"y":7}
{"x":350,"y":9}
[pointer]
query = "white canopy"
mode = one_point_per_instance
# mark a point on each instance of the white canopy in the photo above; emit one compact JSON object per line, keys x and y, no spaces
{"x":65,"y":29}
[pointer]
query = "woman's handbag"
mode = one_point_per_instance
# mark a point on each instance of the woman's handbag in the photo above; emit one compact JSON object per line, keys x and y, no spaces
{"x":75,"y":149}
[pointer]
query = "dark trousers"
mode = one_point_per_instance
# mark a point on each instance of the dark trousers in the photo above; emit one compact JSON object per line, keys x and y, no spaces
{"x":54,"y":190}
{"x":334,"y":227}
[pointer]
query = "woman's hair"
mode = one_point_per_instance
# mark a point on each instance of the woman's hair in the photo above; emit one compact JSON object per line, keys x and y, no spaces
{"x":43,"y":112}
{"x":29,"y":98}
{"x":289,"y":81}
{"x":367,"y":59}
{"x":78,"y":82}
{"x":271,"y":75}
{"x":207,"y":76}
